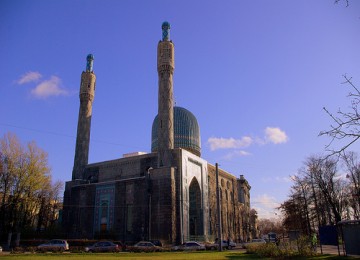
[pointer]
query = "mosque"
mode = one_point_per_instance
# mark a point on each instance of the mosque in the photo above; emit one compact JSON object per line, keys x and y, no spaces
{"x":168,"y":194}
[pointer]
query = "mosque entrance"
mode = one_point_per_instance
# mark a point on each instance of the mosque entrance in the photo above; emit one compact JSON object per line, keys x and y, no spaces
{"x":195,"y":209}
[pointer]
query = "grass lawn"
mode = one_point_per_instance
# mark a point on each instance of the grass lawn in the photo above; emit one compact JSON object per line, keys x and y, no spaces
{"x":147,"y":256}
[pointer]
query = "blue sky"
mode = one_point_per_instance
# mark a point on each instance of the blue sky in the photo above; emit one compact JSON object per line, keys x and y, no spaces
{"x":256,"y":74}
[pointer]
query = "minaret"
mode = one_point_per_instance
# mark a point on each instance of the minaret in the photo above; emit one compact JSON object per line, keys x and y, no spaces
{"x":87,"y":91}
{"x":165,"y":67}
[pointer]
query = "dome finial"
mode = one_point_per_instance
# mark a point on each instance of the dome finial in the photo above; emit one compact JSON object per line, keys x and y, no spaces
{"x":89,"y":63}
{"x":165,"y":31}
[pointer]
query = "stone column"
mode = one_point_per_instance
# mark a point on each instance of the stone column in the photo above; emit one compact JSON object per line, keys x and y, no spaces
{"x":165,"y":67}
{"x":87,"y":92}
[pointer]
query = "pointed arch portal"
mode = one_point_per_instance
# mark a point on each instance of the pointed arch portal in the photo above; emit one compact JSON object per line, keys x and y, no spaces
{"x":195,"y":210}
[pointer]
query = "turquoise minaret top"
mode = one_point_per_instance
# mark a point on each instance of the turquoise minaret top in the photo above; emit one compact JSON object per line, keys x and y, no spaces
{"x":165,"y":31}
{"x":89,"y":63}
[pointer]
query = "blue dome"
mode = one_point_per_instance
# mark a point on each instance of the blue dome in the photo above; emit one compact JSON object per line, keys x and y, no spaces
{"x":186,"y":132}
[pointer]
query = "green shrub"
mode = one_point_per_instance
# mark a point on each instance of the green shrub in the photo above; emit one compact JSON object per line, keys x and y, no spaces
{"x":264,"y":250}
{"x":77,"y":249}
{"x":287,"y":250}
{"x":17,"y":250}
{"x":252,"y":249}
{"x":302,"y":248}
{"x":31,"y":249}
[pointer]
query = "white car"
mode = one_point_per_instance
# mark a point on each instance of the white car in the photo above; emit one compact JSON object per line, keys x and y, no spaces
{"x":224,"y":244}
{"x":189,"y":245}
{"x":54,"y":245}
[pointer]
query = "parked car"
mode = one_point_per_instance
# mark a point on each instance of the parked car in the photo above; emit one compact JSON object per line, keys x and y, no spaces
{"x":256,"y":241}
{"x":190,"y":245}
{"x":231,"y":245}
{"x":103,"y":246}
{"x":224,"y":243}
{"x":0,"y":249}
{"x":144,"y":246}
{"x":156,"y":242}
{"x":54,"y":245}
{"x":272,"y":237}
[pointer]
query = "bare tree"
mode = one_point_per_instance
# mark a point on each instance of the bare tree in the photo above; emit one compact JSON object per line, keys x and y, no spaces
{"x":254,"y":221}
{"x":266,"y":226}
{"x":352,"y":166}
{"x":326,"y":179}
{"x":319,"y":195}
{"x":302,"y":189}
{"x":295,"y":212}
{"x":346,"y":2}
{"x":346,"y":125}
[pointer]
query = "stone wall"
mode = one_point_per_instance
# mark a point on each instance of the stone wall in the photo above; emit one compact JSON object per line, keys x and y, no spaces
{"x":149,"y":202}
{"x":163,"y":204}
{"x":232,"y":211}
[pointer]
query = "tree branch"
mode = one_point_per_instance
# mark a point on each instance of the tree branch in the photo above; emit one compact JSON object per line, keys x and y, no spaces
{"x":346,"y":125}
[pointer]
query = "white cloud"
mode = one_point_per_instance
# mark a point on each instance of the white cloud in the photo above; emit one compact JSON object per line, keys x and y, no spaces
{"x":275,"y":135}
{"x":266,"y":201}
{"x":47,"y":88}
{"x":228,"y":143}
{"x":266,"y":206}
{"x":276,"y":179}
{"x":264,"y":213}
{"x":31,"y":76}
{"x":233,"y":154}
{"x":272,"y":135}
{"x":44,"y":88}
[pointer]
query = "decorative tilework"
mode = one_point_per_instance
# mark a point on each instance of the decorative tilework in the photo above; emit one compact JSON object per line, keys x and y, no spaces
{"x":104,"y":193}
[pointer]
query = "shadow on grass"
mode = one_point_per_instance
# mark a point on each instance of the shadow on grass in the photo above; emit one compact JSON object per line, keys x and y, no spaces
{"x":331,"y":257}
{"x":243,"y":256}
{"x":319,"y":257}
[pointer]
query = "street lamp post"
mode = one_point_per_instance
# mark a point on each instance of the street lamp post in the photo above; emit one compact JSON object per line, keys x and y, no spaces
{"x":149,"y":201}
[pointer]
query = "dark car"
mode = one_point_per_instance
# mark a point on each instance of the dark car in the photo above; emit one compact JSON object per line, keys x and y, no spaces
{"x":103,"y":246}
{"x":156,"y":242}
{"x":145,"y":246}
{"x":54,"y":245}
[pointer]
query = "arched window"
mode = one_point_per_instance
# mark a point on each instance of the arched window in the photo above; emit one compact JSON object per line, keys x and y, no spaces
{"x":104,"y":215}
{"x":195,"y":209}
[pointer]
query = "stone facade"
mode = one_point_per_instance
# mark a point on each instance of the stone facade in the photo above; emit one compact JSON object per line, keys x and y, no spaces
{"x":167,"y":195}
{"x":130,"y":199}
{"x":234,"y":213}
